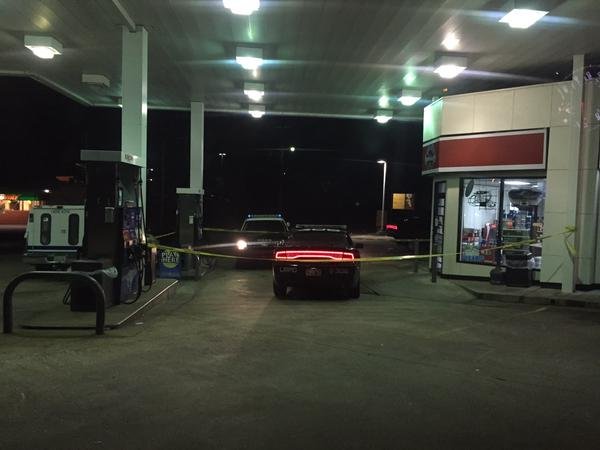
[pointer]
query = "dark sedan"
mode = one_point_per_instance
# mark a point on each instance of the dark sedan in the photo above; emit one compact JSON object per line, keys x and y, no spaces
{"x":315,"y":257}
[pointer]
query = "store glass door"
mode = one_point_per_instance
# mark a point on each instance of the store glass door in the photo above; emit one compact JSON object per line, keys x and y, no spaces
{"x":437,"y":235}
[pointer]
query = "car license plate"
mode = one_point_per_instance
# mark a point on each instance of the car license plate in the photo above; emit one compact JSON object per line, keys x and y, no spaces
{"x":313,"y":272}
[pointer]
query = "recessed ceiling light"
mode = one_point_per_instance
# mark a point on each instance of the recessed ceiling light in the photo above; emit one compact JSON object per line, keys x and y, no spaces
{"x":409,"y":97}
{"x":384,"y":116}
{"x":523,"y":18}
{"x":242,"y":7}
{"x":449,"y":70}
{"x":450,"y":66}
{"x":384,"y":101}
{"x":409,"y":78}
{"x":249,"y":58}
{"x":254,"y":91}
{"x":451,"y":41}
{"x":44,"y":47}
{"x":256,"y":111}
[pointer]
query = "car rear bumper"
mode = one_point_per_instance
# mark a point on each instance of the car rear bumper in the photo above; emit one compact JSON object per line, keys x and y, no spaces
{"x":304,"y":275}
{"x":35,"y":258}
{"x":257,"y":253}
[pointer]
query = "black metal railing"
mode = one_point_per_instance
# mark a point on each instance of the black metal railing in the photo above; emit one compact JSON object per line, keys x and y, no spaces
{"x":54,"y":276}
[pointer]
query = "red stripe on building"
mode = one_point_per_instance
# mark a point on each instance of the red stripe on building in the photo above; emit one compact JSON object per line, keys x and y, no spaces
{"x":499,"y":150}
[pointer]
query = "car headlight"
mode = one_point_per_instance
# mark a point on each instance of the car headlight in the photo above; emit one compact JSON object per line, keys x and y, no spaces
{"x":242,"y":244}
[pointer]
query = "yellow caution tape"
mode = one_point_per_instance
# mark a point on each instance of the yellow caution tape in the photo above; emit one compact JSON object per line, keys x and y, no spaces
{"x":569,"y":231}
{"x":227,"y":230}
{"x":164,"y":235}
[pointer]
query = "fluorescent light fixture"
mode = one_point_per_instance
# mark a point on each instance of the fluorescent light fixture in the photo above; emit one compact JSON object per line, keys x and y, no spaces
{"x":254,"y":91}
{"x":249,"y":58}
{"x":95,"y":80}
{"x":450,"y":66}
{"x":522,"y":18}
{"x":44,"y":47}
{"x":257,"y":111}
{"x":242,"y":7}
{"x":409,"y":97}
{"x":451,"y":41}
{"x":384,"y":101}
{"x":409,"y":78}
{"x":517,"y":183}
{"x":384,"y":116}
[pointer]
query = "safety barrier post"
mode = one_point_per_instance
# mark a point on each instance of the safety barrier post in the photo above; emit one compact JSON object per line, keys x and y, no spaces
{"x":7,"y":304}
{"x":416,"y":260}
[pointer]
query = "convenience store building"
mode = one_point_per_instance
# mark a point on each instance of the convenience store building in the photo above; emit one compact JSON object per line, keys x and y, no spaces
{"x":511,"y":165}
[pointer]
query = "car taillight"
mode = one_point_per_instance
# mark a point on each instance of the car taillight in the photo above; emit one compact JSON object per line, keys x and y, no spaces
{"x":391,"y":227}
{"x":325,"y":255}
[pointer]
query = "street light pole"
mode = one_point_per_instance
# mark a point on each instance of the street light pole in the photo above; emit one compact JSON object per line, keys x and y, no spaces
{"x":381,"y":161}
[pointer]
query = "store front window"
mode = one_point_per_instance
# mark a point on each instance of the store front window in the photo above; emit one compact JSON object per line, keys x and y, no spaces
{"x":523,"y":216}
{"x":501,"y":211}
{"x":480,"y":218}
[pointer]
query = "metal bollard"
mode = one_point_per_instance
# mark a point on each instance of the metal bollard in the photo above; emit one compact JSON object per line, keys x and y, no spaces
{"x":416,"y":260}
{"x":434,"y":270}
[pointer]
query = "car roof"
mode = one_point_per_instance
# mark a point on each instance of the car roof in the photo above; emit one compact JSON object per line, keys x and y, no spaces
{"x":264,"y":218}
{"x":320,"y":230}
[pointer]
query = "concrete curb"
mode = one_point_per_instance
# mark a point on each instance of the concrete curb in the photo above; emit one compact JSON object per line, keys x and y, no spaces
{"x":552,"y":300}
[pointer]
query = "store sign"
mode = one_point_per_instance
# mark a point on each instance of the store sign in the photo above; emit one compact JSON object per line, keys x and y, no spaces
{"x":514,"y":150}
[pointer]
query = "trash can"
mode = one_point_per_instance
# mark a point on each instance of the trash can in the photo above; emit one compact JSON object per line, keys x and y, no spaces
{"x":518,"y":271}
{"x":82,"y":295}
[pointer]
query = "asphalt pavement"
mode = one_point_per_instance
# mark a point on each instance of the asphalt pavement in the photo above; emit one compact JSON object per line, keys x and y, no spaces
{"x":224,"y":364}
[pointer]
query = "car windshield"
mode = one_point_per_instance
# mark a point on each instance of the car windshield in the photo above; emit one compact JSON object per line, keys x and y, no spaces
{"x":319,"y":237}
{"x":264,"y":225}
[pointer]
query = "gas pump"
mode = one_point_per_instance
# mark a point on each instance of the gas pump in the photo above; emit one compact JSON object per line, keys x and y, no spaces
{"x":189,"y":219}
{"x":114,"y":229}
{"x":188,"y":231}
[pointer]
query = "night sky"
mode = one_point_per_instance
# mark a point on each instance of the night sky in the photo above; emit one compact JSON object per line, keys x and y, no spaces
{"x":332,"y":177}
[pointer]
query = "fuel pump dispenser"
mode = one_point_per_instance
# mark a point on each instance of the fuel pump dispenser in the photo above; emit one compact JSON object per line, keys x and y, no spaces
{"x":114,"y":229}
{"x":188,"y":231}
{"x":189,"y":219}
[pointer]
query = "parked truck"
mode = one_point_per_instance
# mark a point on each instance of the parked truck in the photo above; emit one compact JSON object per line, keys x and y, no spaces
{"x":54,"y":235}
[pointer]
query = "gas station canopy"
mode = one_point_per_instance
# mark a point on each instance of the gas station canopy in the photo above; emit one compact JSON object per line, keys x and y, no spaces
{"x":320,"y":57}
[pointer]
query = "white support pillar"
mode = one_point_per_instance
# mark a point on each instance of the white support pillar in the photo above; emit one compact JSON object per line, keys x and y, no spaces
{"x":197,"y":147}
{"x":134,"y":69}
{"x":196,"y":150}
{"x":569,"y":278}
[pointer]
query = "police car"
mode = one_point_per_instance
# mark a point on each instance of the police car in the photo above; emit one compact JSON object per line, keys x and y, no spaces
{"x":318,"y":256}
{"x":259,"y":236}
